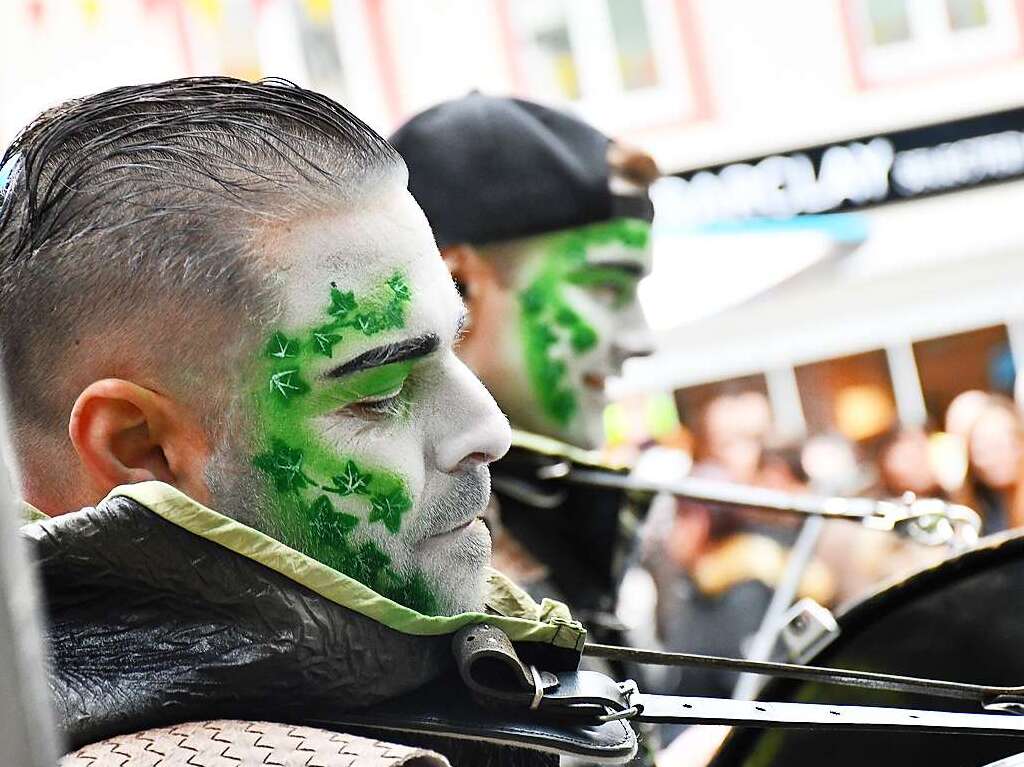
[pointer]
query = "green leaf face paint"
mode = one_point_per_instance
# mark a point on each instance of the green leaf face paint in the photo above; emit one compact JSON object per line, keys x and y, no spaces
{"x":323,"y":500}
{"x":562,"y":325}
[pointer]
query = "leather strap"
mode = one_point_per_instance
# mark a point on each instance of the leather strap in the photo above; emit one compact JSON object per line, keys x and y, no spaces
{"x":665,"y":709}
{"x":492,"y":670}
{"x":490,"y":667}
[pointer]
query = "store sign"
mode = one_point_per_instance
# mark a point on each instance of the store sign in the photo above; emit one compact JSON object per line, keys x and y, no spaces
{"x":849,"y":175}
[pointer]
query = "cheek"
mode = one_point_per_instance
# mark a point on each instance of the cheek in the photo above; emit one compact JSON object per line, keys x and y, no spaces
{"x":395,"y":446}
{"x":599,"y":317}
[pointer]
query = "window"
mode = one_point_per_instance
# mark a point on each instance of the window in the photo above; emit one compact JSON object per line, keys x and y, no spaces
{"x":547,"y":49}
{"x":907,"y":38}
{"x":852,"y":395}
{"x":319,"y":44}
{"x":887,"y":21}
{"x":637,"y":64}
{"x":952,"y":364}
{"x":620,"y":63}
{"x":967,"y":14}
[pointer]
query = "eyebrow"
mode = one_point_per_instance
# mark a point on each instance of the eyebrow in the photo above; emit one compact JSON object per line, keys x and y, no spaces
{"x":632,"y":267}
{"x":400,"y":351}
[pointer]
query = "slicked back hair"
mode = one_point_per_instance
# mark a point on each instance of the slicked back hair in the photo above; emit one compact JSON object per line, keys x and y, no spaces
{"x":128,"y":220}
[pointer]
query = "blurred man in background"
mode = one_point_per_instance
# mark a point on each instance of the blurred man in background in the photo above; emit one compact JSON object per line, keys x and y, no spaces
{"x":545,"y":224}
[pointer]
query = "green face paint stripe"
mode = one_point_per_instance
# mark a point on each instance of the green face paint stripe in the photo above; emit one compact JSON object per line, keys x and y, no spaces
{"x":623,"y":283}
{"x":546,"y":317}
{"x":328,"y":396}
{"x":320,"y":497}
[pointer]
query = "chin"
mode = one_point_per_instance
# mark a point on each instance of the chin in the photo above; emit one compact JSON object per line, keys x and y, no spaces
{"x":457,"y":564}
{"x":587,"y":428}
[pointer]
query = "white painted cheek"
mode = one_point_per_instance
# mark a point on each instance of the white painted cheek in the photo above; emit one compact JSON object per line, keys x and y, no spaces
{"x":395,"y":445}
{"x":605,"y":321}
{"x":467,"y":427}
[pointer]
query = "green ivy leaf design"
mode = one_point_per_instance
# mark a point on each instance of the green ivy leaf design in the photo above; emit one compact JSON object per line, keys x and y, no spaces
{"x":394,"y":316}
{"x":552,"y":372}
{"x":399,"y":287}
{"x":282,"y":347}
{"x":369,"y":323}
{"x":532,"y":300}
{"x":351,"y":481}
{"x":543,"y":336}
{"x":284,"y":466}
{"x":367,"y":563}
{"x":328,"y":523}
{"x":287,"y":384}
{"x":324,"y":341}
{"x":562,"y":405}
{"x":341,"y":303}
{"x":567,"y":318}
{"x":583,"y":338}
{"x":389,"y":508}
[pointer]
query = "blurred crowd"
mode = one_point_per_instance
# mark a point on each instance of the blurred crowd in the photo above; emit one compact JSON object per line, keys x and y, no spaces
{"x":710,"y":572}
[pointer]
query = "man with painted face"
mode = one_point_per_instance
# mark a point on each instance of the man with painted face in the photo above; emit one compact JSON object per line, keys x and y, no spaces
{"x":258,"y":466}
{"x":545,"y":225}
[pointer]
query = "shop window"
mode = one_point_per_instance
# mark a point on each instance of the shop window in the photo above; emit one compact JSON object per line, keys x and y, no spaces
{"x":897,"y":39}
{"x":849,"y":395}
{"x":978,"y":359}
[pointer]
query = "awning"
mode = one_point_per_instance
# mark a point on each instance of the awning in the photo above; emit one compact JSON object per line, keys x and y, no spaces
{"x":928,"y":268}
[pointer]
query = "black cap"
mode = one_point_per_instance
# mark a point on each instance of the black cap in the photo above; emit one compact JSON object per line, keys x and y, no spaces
{"x":487,"y":169}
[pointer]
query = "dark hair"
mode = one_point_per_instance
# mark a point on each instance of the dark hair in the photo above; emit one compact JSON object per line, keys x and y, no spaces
{"x":127,"y":220}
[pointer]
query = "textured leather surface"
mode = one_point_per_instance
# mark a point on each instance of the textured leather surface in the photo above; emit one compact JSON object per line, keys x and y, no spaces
{"x":232,"y":743}
{"x":150,"y":625}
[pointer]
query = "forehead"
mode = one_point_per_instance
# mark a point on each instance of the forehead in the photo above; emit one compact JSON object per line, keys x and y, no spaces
{"x":358,"y":247}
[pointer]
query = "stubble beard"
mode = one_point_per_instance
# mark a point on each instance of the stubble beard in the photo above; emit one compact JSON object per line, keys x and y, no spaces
{"x":456,"y":572}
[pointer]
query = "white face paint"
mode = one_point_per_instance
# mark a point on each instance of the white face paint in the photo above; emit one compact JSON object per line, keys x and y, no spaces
{"x":373,"y":437}
{"x":570,"y":319}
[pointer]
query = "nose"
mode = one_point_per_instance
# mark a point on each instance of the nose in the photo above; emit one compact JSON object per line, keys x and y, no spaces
{"x":633,"y":342}
{"x":470,"y":429}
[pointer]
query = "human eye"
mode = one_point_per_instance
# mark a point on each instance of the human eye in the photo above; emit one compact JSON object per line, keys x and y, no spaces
{"x":377,"y":393}
{"x":391,"y":405}
{"x":614,"y":287}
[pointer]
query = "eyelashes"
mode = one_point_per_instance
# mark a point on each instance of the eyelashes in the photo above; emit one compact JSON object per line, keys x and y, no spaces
{"x":392,"y":406}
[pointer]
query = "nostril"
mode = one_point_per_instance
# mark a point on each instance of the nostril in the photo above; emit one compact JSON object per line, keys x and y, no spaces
{"x":473,"y":460}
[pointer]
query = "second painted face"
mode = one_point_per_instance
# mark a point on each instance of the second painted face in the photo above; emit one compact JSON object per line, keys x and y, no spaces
{"x":369,"y":438}
{"x":568,"y":318}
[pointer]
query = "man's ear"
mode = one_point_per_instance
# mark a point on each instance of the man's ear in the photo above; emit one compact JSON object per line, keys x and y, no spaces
{"x":125,"y":433}
{"x":477,"y":281}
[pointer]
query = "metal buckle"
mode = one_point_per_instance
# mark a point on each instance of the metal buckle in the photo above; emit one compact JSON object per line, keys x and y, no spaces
{"x":628,"y":689}
{"x":538,"y":689}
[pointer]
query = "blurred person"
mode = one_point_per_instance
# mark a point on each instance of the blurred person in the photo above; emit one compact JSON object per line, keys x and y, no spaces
{"x":716,"y":569}
{"x":545,"y":225}
{"x":995,"y":452}
{"x":905,"y":465}
{"x":963,"y":412}
{"x":860,"y":558}
{"x":733,"y":429}
{"x":221,"y":294}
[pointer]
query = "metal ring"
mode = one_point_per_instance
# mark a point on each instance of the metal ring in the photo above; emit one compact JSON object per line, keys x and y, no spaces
{"x":538,"y":689}
{"x":617,"y":715}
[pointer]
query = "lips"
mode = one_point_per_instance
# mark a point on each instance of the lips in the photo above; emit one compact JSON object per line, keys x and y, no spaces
{"x":456,"y":529}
